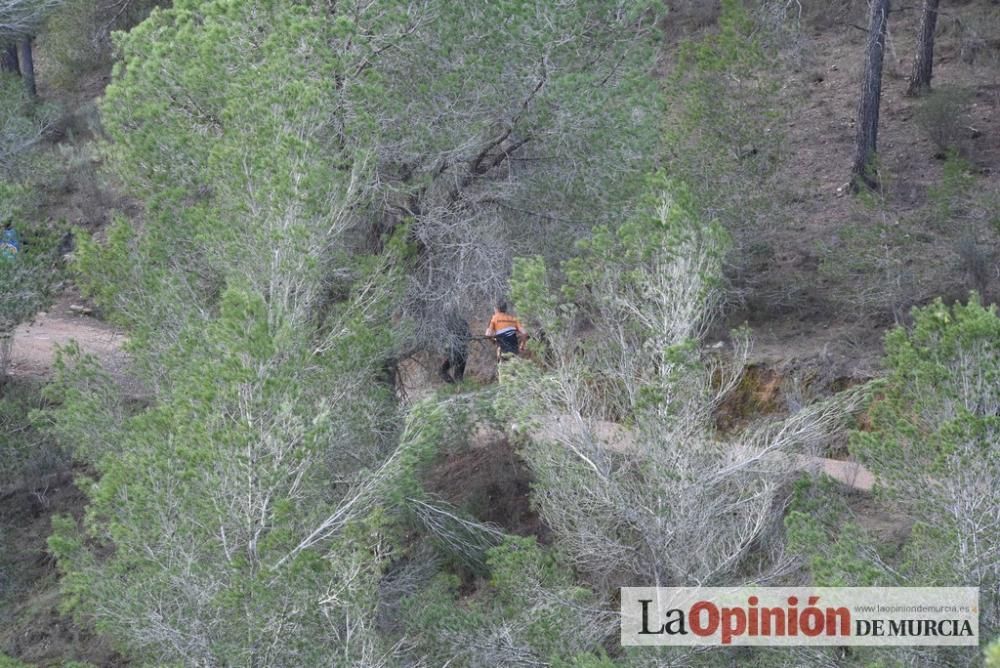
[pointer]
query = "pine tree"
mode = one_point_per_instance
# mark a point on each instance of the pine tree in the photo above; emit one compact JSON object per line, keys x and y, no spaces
{"x":923,"y":59}
{"x":862,"y":170}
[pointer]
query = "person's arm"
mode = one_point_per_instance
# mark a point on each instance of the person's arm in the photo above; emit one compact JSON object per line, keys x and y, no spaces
{"x":490,"y":330}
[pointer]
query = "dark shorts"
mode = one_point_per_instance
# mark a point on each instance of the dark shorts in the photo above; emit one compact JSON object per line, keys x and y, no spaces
{"x":508,"y":342}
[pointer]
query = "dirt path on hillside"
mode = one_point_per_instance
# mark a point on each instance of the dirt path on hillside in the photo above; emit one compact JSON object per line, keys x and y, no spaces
{"x":36,"y":342}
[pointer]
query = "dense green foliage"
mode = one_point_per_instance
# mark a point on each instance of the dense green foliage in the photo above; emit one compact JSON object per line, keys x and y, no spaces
{"x":7,"y":662}
{"x":933,"y":449}
{"x":208,"y":497}
{"x":262,"y":342}
{"x":549,"y":139}
{"x":179,"y":117}
{"x":317,"y":184}
{"x":934,"y":445}
{"x":262,"y":290}
{"x":993,"y":654}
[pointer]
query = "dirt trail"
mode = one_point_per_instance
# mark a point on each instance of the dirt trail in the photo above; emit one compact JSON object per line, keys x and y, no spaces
{"x":35,"y":342}
{"x":32,"y":629}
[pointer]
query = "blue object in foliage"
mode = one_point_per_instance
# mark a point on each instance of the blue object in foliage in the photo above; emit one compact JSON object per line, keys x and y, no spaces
{"x":10,"y":245}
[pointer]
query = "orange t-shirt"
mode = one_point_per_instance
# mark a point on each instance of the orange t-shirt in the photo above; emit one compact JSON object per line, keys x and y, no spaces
{"x":503,"y":322}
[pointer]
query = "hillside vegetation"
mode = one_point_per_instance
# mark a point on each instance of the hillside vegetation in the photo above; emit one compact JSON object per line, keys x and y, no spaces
{"x":251,"y":231}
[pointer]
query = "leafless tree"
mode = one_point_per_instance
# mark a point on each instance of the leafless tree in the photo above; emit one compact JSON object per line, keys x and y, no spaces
{"x":871,"y":97}
{"x":506,"y":163}
{"x":629,"y":469}
{"x":923,"y":60}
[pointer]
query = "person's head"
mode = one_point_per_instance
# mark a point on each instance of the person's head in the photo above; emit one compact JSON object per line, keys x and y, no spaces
{"x":6,"y":224}
{"x":501,"y":306}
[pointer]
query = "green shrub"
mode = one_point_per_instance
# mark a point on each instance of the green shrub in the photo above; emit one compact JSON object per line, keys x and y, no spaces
{"x":73,"y":43}
{"x":836,"y":551}
{"x":724,"y":135}
{"x":85,"y":412}
{"x":25,"y":451}
{"x":967,"y":210}
{"x":23,"y":124}
{"x":9,"y":662}
{"x":943,"y":116}
{"x":519,"y":617}
{"x":992,"y":654}
{"x":933,"y":446}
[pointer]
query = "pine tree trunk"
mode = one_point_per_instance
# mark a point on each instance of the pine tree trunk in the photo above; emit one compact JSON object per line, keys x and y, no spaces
{"x":27,"y":66}
{"x":8,"y":60}
{"x":871,"y":96}
{"x":923,"y":61}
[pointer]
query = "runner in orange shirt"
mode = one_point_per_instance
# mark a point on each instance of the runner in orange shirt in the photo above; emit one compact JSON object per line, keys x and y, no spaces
{"x":506,"y":331}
